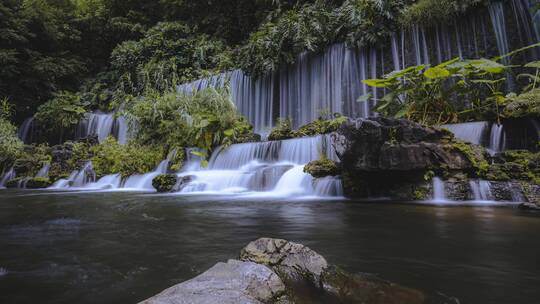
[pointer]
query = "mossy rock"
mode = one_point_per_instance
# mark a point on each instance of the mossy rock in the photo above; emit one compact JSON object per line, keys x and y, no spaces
{"x":38,"y":183}
{"x":320,"y":126}
{"x":282,"y":130}
{"x":524,"y":105}
{"x":14,"y":183}
{"x":322,"y":168}
{"x":164,"y":182}
{"x":516,"y":164}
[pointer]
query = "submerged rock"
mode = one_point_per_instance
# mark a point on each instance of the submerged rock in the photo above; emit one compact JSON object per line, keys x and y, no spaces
{"x":279,"y":271}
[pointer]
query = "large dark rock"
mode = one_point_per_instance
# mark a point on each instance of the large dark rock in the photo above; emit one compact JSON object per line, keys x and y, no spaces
{"x":395,"y":157}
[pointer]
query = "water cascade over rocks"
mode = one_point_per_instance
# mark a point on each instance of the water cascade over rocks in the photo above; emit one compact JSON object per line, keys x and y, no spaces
{"x":10,"y":174}
{"x":273,"y":168}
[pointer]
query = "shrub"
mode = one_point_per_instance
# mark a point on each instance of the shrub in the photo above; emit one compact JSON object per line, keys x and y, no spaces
{"x":525,"y":104}
{"x":61,"y":113}
{"x":11,"y":147}
{"x":282,"y":130}
{"x":204,"y":119}
{"x":110,"y":157}
{"x":164,"y":182}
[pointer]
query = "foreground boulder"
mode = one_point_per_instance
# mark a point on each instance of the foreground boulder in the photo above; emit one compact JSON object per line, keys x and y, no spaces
{"x":226,"y":283}
{"x":279,"y":271}
{"x":164,"y":182}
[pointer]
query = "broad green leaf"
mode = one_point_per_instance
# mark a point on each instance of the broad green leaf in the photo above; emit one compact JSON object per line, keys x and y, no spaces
{"x":409,"y":70}
{"x":199,"y":153}
{"x":448,"y":63}
{"x":534,"y":64}
{"x":401,"y":113}
{"x":364,"y":98}
{"x":487,"y":65}
{"x":229,"y":132}
{"x":377,"y":83}
{"x":437,"y":72}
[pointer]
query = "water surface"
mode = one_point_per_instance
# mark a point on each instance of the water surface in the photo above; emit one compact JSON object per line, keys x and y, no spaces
{"x":125,"y":247}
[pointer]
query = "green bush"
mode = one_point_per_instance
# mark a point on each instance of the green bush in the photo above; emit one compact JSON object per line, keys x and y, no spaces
{"x":61,"y":113}
{"x":204,"y":119}
{"x":282,"y":130}
{"x":164,"y":182}
{"x":525,"y":104}
{"x":432,"y":12}
{"x":110,"y":157}
{"x":11,"y":147}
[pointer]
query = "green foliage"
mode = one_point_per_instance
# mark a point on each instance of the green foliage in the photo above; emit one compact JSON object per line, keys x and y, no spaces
{"x":62,"y":112}
{"x":321,"y":126}
{"x":516,"y":164}
{"x":164,"y":182}
{"x":169,"y":53}
{"x":432,"y":95}
{"x":111,"y":157}
{"x":282,"y":130}
{"x":11,"y":147}
{"x":311,"y":27}
{"x":523,"y":105}
{"x":204,"y":119}
{"x":431,"y":12}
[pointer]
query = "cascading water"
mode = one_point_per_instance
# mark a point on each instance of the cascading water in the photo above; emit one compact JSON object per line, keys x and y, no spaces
{"x":481,"y":190}
{"x":77,"y":179}
{"x":44,"y":171}
{"x":103,"y":125}
{"x":26,"y":130}
{"x":439,"y":192}
{"x":10,"y":174}
{"x":472,"y":132}
{"x":273,"y":168}
{"x":496,"y":139}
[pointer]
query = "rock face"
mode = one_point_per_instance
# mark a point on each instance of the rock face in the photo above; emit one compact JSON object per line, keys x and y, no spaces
{"x":226,"y":283}
{"x":279,"y":271}
{"x":392,"y":157}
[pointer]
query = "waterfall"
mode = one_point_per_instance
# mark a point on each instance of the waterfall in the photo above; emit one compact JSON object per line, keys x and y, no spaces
{"x":77,"y":179}
{"x":10,"y":174}
{"x":439,"y":192}
{"x":274,"y":168}
{"x":496,"y":139}
{"x":26,"y":130}
{"x":103,"y":125}
{"x":481,"y":190}
{"x":44,"y":171}
{"x":472,"y":132}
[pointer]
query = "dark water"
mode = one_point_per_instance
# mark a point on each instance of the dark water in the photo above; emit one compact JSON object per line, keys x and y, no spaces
{"x":123,"y":248}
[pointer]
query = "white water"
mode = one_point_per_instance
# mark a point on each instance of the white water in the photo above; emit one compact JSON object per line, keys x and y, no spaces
{"x":266,"y":168}
{"x":103,"y":125}
{"x":10,"y":174}
{"x":25,"y":132}
{"x":481,"y":190}
{"x":44,"y":171}
{"x":496,"y":138}
{"x":439,"y":193}
{"x":471,"y":132}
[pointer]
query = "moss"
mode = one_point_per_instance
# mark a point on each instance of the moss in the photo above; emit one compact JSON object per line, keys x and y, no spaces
{"x":14,"y":183}
{"x":320,"y":126}
{"x":164,"y":182}
{"x":322,"y":168}
{"x":524,"y":105}
{"x":282,"y":130}
{"x":38,"y":183}
{"x":516,"y":164}
{"x":421,"y":193}
{"x":476,"y":155}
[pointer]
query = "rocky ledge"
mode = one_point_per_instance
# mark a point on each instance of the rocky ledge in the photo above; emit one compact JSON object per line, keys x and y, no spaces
{"x":278,"y":271}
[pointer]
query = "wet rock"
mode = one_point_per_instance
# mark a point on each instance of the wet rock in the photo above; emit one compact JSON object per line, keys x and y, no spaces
{"x":38,"y":183}
{"x":322,"y":168}
{"x":232,"y":282}
{"x":164,"y":182}
{"x":182,"y":182}
{"x":394,"y":158}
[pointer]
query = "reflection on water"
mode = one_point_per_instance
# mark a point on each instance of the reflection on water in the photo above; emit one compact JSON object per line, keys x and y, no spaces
{"x":125,"y":247}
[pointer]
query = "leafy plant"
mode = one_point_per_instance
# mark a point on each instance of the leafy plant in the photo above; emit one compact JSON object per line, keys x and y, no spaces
{"x":62,"y":112}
